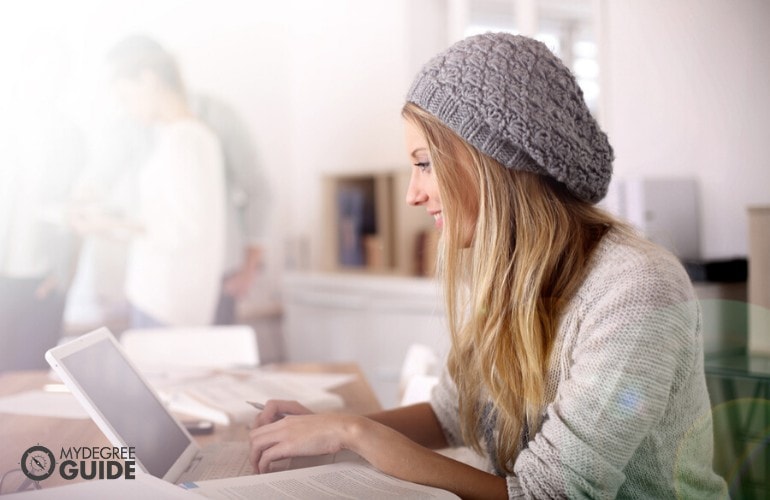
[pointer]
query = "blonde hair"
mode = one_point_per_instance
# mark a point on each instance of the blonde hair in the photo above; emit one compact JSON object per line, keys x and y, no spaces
{"x":505,"y":289}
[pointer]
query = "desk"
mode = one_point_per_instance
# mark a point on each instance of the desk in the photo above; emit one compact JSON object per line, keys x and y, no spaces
{"x":19,"y":432}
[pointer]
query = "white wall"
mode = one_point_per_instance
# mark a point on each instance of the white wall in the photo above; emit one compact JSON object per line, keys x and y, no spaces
{"x":686,"y":92}
{"x":320,"y":83}
{"x":348,"y":79}
{"x":684,"y":87}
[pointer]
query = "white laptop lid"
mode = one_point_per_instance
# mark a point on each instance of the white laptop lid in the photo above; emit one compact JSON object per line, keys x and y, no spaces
{"x":121,"y":402}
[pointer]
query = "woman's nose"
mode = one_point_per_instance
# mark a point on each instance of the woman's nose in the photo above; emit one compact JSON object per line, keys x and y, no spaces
{"x":415,"y":195}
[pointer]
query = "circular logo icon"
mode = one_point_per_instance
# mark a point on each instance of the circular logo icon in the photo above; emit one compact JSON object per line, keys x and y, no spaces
{"x":38,"y":463}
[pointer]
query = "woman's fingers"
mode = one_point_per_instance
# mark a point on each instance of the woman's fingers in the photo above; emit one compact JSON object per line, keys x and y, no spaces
{"x":259,"y":442}
{"x":263,"y":439}
{"x":276,"y":409}
{"x":270,"y":455}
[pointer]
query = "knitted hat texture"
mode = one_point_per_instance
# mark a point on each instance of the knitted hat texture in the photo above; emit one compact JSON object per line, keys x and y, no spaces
{"x":514,"y":100}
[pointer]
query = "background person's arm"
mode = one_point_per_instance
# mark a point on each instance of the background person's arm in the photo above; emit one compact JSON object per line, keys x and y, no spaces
{"x":239,"y":283}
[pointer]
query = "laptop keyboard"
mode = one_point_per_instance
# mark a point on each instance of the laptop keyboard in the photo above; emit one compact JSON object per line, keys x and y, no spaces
{"x":220,"y":460}
{"x":231,"y":459}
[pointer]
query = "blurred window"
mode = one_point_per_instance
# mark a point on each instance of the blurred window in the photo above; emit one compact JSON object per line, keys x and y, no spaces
{"x":565,"y":26}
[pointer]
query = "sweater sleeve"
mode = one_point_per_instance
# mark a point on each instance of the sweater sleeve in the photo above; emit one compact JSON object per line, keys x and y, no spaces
{"x":635,"y":322}
{"x":185,"y":203}
{"x":246,"y":178}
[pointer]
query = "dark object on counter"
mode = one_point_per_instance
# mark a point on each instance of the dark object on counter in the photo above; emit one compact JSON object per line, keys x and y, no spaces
{"x":719,"y":271}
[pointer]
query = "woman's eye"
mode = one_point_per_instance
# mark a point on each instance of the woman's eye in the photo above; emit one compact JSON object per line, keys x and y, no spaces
{"x":424,"y":166}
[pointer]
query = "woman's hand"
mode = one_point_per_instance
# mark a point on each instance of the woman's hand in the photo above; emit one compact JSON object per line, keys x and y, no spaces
{"x":298,"y":436}
{"x":239,"y":284}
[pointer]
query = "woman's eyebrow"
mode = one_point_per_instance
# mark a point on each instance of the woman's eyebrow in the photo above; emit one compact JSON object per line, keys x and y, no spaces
{"x":417,"y":150}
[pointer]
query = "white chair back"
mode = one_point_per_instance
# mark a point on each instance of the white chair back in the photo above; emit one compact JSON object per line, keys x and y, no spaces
{"x":419,"y":373}
{"x":193,"y":347}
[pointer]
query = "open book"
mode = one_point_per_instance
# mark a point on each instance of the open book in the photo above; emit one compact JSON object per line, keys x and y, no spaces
{"x":354,"y":480}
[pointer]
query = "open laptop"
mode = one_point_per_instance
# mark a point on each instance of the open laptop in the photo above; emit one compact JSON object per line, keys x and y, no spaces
{"x":131,"y":414}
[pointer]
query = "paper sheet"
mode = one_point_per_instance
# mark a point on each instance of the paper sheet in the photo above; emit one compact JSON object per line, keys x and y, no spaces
{"x":144,"y":486}
{"x":43,"y":404}
{"x":311,"y":381}
{"x":340,"y":480}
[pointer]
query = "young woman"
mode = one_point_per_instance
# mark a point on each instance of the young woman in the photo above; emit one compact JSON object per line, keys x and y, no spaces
{"x":576,"y":365}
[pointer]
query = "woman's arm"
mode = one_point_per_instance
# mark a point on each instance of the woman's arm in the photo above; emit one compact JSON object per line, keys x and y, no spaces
{"x":379,"y":444}
{"x":395,"y":454}
{"x":417,"y":422}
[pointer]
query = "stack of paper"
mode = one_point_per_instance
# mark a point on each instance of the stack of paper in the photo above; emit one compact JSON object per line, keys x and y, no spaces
{"x":333,"y":481}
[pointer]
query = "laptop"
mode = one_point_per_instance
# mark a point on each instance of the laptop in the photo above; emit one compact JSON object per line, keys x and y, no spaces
{"x":131,"y":414}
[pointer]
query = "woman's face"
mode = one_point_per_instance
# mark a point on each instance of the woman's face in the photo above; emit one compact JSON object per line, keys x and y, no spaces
{"x":138,"y":96}
{"x":423,"y":185}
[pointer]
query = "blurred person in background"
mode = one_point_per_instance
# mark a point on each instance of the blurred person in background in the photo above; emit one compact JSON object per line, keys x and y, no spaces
{"x":126,"y":142}
{"x":177,"y":231}
{"x":42,"y":151}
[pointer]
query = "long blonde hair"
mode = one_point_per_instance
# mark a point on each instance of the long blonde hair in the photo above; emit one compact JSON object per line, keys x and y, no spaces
{"x":505,"y":290}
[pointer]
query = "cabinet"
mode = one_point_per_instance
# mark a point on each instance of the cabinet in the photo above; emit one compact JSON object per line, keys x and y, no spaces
{"x":725,"y":315}
{"x":369,"y":319}
{"x":371,"y":229}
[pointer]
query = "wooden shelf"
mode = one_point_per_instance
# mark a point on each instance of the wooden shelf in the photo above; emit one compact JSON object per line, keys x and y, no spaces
{"x":370,"y":227}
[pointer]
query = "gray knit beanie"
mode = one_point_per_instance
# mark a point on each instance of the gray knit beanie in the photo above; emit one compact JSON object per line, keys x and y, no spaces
{"x":514,"y":100}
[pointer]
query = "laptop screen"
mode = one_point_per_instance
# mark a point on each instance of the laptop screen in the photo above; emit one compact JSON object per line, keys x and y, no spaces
{"x":128,"y":405}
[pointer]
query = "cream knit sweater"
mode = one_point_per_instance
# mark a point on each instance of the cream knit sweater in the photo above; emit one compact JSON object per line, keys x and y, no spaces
{"x":628,"y":413}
